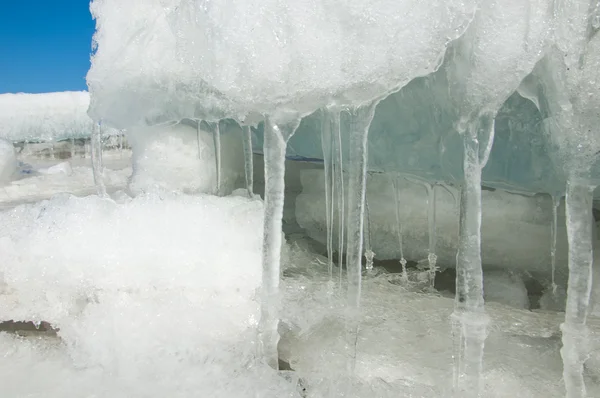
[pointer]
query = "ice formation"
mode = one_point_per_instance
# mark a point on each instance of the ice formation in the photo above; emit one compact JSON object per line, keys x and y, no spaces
{"x":46,"y":117}
{"x":393,"y":96}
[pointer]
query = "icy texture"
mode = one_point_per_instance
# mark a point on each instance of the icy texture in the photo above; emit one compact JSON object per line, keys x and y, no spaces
{"x":515,"y":229}
{"x":505,"y":287}
{"x":165,"y":305}
{"x":183,"y":158}
{"x":165,"y":60}
{"x":8,"y":162}
{"x":97,"y":165}
{"x":46,"y":117}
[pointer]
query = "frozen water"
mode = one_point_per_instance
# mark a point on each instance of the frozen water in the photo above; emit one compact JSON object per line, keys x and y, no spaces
{"x":8,"y":162}
{"x":182,"y":158}
{"x":46,"y":117}
{"x":167,"y":60}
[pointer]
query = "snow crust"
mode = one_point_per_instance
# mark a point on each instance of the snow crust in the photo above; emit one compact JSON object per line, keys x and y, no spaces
{"x":46,"y":117}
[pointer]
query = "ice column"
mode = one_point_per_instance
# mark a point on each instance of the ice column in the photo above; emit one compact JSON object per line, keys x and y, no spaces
{"x":574,"y":331}
{"x":327,"y":126}
{"x":276,"y":136}
{"x":369,"y":254}
{"x":469,"y":318}
{"x":248,"y":159}
{"x":360,"y":119}
{"x":97,"y":167}
{"x":338,"y":171}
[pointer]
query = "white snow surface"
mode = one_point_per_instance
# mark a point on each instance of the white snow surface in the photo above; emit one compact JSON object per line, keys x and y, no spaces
{"x":165,"y":60}
{"x":46,"y":116}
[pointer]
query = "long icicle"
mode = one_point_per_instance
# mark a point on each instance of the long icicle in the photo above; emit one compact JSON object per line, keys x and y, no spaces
{"x":326,"y":144}
{"x":248,"y":159}
{"x":216,"y":133}
{"x":339,"y":186}
{"x":275,"y":142}
{"x":399,"y":231}
{"x":553,"y":232}
{"x":431,"y":216}
{"x":97,"y":167}
{"x":579,"y":200}
{"x":469,"y":318}
{"x":360,"y":120}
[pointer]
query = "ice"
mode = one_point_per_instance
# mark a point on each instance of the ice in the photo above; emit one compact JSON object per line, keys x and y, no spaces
{"x":8,"y":162}
{"x":277,"y":134}
{"x":505,"y":287}
{"x":248,"y":161}
{"x":97,"y":165}
{"x":216,"y":133}
{"x":515,"y":228}
{"x":168,"y":60}
{"x":46,"y":117}
{"x":182,"y":158}
{"x":131,"y":325}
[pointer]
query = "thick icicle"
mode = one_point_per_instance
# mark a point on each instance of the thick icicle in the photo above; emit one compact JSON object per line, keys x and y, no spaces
{"x":97,"y":167}
{"x":360,"y":120}
{"x":469,"y":318}
{"x":399,"y":231}
{"x":326,"y":144}
{"x":431,"y":256}
{"x":574,"y":330}
{"x":369,"y":254}
{"x":555,"y":204}
{"x":217,"y":145}
{"x":248,"y":159}
{"x":275,"y":141}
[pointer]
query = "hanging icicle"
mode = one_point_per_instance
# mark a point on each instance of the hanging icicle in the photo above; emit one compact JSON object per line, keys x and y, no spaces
{"x":469,"y":318}
{"x":578,"y":204}
{"x":431,"y":256}
{"x":276,"y":136}
{"x":97,"y":167}
{"x":339,"y":191}
{"x":369,"y":254}
{"x":327,"y":125}
{"x":553,"y":231}
{"x":217,"y":145}
{"x":359,"y":122}
{"x":248,"y":159}
{"x":399,"y":231}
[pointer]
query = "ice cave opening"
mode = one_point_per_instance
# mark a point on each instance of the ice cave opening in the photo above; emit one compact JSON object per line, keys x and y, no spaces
{"x":312,"y":198}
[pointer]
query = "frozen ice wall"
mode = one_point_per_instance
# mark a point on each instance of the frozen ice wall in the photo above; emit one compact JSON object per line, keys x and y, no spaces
{"x":46,"y":117}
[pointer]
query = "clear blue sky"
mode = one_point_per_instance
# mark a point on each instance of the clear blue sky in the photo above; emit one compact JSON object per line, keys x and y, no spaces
{"x":45,"y":45}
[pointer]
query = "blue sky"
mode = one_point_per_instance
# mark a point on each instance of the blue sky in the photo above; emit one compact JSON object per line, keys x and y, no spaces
{"x":45,"y":45}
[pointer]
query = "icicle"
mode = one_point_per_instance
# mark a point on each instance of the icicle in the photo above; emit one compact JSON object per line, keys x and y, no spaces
{"x":553,"y":230}
{"x":360,"y":119}
{"x":97,"y":167}
{"x":52,"y":155}
{"x":574,"y":330}
{"x":275,"y":141}
{"x":469,"y":318}
{"x":217,"y":145}
{"x":431,"y":256}
{"x":248,"y":159}
{"x":326,"y":143}
{"x":338,"y":190}
{"x":400,"y":232}
{"x":121,"y":137}
{"x":72,"y":148}
{"x":369,"y":254}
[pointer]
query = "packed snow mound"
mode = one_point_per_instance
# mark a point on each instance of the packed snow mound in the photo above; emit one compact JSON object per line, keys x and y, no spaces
{"x":46,"y":117}
{"x":163,"y":60}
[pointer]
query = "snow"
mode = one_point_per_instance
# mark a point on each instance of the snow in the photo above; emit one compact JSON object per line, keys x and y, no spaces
{"x":8,"y":162}
{"x":46,"y":117}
